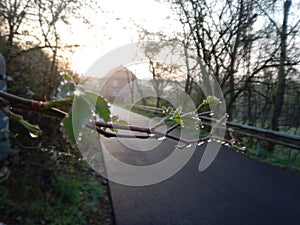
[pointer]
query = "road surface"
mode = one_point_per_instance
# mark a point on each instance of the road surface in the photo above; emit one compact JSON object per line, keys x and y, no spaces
{"x":235,"y":189}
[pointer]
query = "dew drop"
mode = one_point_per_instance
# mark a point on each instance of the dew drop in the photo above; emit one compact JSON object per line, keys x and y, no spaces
{"x":33,"y":135}
{"x":211,"y":114}
{"x":77,"y":93}
{"x":243,"y":148}
{"x":200,"y":143}
{"x":202,"y":126}
{"x":188,"y":146}
{"x":161,"y":138}
{"x":151,"y":135}
{"x":209,"y":140}
{"x":226,"y":144}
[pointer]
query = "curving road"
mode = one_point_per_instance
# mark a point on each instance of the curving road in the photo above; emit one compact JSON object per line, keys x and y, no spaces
{"x":235,"y":189}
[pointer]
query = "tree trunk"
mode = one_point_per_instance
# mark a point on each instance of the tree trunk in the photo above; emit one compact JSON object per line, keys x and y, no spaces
{"x":278,"y":96}
{"x":233,"y":59}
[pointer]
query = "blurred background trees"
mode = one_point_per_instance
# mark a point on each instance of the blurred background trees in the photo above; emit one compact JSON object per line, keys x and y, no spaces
{"x":252,"y":49}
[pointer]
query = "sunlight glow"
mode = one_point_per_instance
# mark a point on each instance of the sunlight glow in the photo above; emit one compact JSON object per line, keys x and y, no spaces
{"x":116,"y":26}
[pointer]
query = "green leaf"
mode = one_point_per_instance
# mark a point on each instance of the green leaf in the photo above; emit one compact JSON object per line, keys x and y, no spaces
{"x":190,"y":119}
{"x":68,"y":127}
{"x":168,"y":110}
{"x":209,"y":101}
{"x":99,"y":104}
{"x":77,"y":118}
{"x":178,"y":120}
{"x":212,"y":100}
{"x":82,"y":113}
{"x":177,"y":112}
{"x":34,"y":130}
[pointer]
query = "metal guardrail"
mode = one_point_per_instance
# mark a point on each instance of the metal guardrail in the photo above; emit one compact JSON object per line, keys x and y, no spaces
{"x":275,"y":137}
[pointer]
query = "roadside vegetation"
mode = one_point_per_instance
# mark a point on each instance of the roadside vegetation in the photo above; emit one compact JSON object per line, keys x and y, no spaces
{"x":50,"y":183}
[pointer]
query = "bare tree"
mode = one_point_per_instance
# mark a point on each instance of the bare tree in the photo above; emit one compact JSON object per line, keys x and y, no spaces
{"x":164,"y":60}
{"x":13,"y":13}
{"x":220,"y":33}
{"x":279,"y":92}
{"x":33,"y":25}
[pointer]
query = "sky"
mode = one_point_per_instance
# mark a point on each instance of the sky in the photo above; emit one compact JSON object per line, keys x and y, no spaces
{"x":114,"y":27}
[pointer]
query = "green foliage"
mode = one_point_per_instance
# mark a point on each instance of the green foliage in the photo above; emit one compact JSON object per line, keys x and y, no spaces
{"x":82,"y":112}
{"x":208,"y":102}
{"x":63,"y":196}
{"x":283,"y":157}
{"x":99,"y":104}
{"x":173,"y":115}
{"x":68,"y":127}
{"x":34,"y":130}
{"x":7,"y":206}
{"x":85,"y":104}
{"x":68,"y":189}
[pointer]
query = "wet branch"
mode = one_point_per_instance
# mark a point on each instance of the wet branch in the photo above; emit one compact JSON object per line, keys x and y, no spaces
{"x":101,"y":126}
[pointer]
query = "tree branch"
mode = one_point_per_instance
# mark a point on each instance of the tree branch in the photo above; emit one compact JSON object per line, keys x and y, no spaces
{"x":29,"y":104}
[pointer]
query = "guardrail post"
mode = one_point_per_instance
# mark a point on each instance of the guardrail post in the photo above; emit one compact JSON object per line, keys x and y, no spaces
{"x":258,"y":147}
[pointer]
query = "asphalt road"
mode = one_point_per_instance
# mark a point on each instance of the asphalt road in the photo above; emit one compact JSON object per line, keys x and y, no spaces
{"x":235,"y":189}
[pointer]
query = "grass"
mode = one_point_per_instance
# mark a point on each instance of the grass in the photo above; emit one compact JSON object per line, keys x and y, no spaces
{"x":51,"y":194}
{"x":283,"y":157}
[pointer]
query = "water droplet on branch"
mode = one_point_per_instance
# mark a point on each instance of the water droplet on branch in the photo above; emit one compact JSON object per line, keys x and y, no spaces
{"x":200,"y":143}
{"x":77,"y":93}
{"x":162,"y":138}
{"x":33,"y":135}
